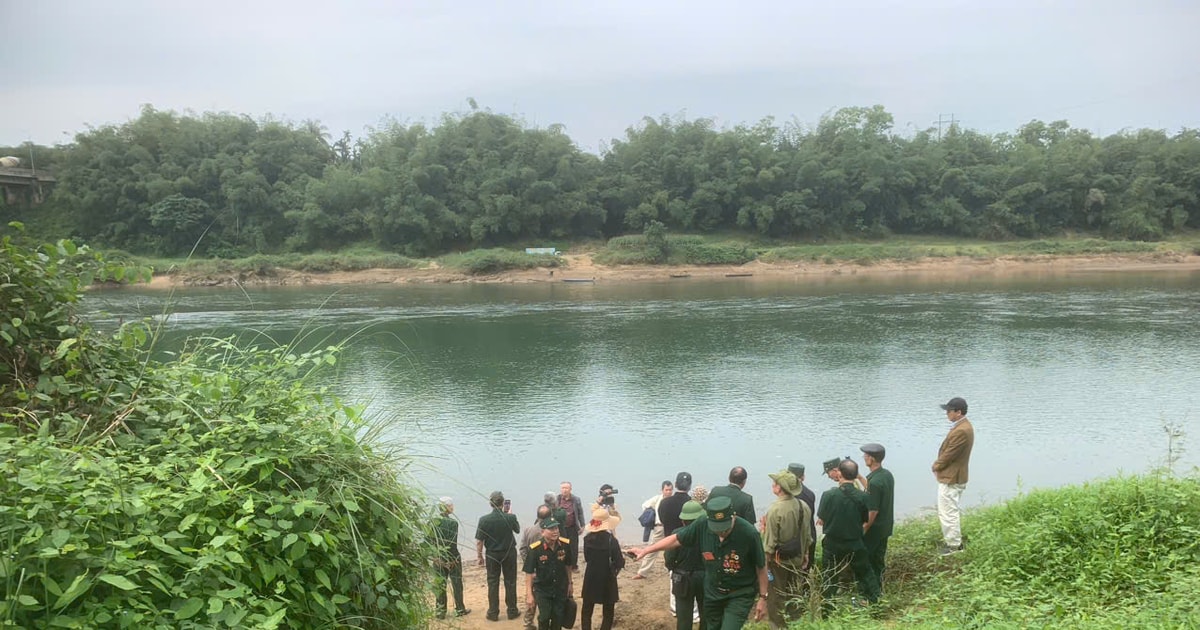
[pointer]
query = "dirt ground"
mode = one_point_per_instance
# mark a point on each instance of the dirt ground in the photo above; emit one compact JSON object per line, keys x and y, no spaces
{"x":581,"y":267}
{"x":643,"y":603}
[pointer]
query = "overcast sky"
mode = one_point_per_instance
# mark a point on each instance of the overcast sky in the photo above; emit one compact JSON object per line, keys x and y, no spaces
{"x":598,"y":67}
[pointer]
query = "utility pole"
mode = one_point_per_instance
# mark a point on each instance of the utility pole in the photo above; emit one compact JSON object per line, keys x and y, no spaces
{"x":942,"y":120}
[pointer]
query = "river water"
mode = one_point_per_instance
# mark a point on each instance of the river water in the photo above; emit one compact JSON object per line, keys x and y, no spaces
{"x":518,"y":387}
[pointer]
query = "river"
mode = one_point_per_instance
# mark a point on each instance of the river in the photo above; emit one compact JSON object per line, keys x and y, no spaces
{"x":518,"y":387}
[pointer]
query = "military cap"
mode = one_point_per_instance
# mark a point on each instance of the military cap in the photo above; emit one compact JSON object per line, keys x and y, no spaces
{"x":796,"y":469}
{"x":830,"y":464}
{"x":550,"y":523}
{"x":720,"y":514}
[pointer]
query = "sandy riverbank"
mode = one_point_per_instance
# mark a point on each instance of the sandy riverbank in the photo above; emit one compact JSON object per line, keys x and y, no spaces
{"x":643,"y":603}
{"x":581,"y":267}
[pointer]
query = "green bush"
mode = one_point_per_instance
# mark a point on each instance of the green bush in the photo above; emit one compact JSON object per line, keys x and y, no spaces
{"x":678,"y":250}
{"x":217,"y":490}
{"x":700,"y":253}
{"x":481,"y":262}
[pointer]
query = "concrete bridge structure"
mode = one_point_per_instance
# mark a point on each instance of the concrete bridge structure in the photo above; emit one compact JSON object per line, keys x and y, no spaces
{"x":25,"y":185}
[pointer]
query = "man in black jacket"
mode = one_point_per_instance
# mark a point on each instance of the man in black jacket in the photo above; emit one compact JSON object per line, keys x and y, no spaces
{"x":807,"y":496}
{"x":669,"y":509}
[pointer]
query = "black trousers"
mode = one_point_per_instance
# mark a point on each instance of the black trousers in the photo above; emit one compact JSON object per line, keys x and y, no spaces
{"x":452,"y":574}
{"x":693,"y":596}
{"x":607,"y":610}
{"x":506,"y":564}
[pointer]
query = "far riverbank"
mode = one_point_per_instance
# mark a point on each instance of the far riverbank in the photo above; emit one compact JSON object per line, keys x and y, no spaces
{"x":582,"y":267}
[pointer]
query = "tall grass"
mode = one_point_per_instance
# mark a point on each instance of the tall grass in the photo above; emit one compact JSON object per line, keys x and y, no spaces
{"x":1117,"y":553}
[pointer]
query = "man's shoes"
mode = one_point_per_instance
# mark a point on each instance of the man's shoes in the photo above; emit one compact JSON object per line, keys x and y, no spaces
{"x":513,"y":614}
{"x":946,"y":550}
{"x":441,"y":614}
{"x":492,"y":616}
{"x":462,"y":613}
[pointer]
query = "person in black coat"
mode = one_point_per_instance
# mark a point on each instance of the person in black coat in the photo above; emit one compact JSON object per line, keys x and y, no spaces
{"x":603,"y":560}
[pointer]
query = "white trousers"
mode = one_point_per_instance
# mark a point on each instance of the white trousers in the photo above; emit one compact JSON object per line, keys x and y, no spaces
{"x":949,"y":495}
{"x":656,"y":535}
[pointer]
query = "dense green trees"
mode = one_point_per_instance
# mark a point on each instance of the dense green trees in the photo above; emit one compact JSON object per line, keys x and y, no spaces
{"x":164,"y":182}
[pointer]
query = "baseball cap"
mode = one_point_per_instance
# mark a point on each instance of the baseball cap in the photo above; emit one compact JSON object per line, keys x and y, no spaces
{"x":955,"y":404}
{"x":683,"y":481}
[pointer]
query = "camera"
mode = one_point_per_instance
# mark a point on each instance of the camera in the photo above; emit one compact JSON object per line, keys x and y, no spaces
{"x":606,"y":495}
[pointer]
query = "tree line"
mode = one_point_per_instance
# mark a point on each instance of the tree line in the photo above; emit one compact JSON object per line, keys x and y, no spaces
{"x":228,"y":185}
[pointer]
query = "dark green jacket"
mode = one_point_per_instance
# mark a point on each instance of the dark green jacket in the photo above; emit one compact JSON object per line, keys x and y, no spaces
{"x":843,"y":511}
{"x":743,"y":503}
{"x":882,"y":489}
{"x":496,"y":530}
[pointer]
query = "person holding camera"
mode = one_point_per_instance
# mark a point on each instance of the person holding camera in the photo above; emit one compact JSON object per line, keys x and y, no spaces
{"x":496,"y":534}
{"x":606,"y":500}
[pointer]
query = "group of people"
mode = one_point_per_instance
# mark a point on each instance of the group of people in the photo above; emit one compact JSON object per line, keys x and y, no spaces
{"x":726,"y":564}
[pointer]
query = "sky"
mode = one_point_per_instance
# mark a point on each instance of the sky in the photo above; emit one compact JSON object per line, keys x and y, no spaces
{"x":599,"y":67}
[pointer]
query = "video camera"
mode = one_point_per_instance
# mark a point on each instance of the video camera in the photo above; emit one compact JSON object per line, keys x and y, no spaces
{"x":606,"y":495}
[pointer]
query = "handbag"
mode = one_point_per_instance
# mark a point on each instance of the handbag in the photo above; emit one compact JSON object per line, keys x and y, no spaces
{"x":570,"y":612}
{"x":647,"y":518}
{"x":793,"y":548}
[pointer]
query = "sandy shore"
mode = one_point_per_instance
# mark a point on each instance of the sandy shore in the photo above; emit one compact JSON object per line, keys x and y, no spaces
{"x":581,"y":267}
{"x":643,"y":603}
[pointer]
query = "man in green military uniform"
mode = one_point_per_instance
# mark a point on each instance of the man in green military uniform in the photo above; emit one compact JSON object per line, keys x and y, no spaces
{"x":735,"y":567}
{"x":548,"y":567}
{"x":880,"y":516}
{"x":448,"y":562}
{"x":495,"y":533}
{"x":743,"y":503}
{"x":842,"y":516}
{"x":786,"y":541}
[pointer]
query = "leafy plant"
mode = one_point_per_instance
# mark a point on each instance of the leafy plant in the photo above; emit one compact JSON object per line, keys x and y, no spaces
{"x":220,"y":489}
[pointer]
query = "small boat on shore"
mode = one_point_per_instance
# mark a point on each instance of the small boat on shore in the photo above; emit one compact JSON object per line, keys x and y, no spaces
{"x":681,"y":275}
{"x":738,"y":275}
{"x":579,"y":280}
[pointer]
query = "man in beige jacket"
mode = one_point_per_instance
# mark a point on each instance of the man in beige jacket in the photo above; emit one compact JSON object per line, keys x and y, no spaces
{"x":950,"y":469}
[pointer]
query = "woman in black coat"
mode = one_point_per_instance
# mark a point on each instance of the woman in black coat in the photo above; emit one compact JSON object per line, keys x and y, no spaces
{"x":602,"y":553}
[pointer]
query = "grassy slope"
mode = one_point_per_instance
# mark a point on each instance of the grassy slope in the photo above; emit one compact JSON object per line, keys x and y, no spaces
{"x":1117,"y":553}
